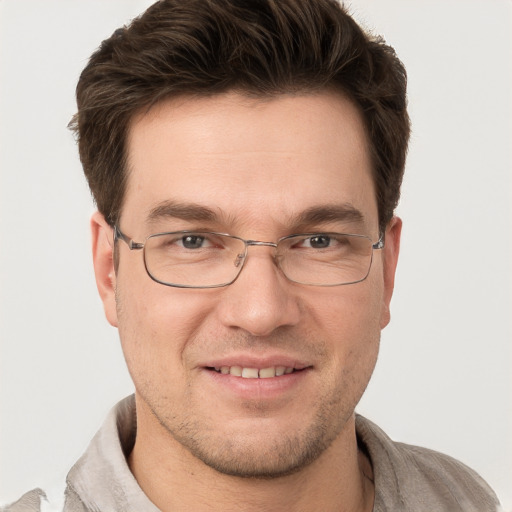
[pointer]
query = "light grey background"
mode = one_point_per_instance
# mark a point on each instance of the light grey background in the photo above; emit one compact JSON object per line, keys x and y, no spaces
{"x":444,"y":375}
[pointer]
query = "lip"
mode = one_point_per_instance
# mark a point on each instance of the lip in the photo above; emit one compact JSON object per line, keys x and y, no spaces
{"x":252,"y":361}
{"x":274,"y":389}
{"x":267,"y":390}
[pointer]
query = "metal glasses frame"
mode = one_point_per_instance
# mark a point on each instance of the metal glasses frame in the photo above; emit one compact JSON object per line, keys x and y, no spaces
{"x":135,"y":246}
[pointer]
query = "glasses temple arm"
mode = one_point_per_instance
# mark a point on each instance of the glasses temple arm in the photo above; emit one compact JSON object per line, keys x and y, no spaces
{"x":119,"y":235}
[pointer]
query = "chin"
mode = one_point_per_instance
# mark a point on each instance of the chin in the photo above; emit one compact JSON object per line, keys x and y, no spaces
{"x":258,"y":452}
{"x":261,"y":460}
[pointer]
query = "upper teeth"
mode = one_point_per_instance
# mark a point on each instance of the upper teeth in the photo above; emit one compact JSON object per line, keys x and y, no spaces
{"x":254,"y":373}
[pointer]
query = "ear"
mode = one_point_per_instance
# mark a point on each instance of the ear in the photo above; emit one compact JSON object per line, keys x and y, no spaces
{"x":389,"y":262}
{"x":103,"y":259}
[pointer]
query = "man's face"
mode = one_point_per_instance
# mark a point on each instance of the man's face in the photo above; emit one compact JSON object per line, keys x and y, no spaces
{"x":257,"y":166}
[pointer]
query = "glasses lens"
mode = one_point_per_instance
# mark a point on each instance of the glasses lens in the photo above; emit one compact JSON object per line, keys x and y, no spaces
{"x":193,"y":259}
{"x":325,"y":259}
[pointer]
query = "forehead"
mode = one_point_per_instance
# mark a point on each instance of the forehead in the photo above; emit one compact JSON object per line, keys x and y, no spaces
{"x":251,"y":160}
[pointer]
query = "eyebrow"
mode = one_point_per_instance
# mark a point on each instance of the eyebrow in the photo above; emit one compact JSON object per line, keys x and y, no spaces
{"x":184,"y":211}
{"x":344,"y":212}
{"x":329,"y":213}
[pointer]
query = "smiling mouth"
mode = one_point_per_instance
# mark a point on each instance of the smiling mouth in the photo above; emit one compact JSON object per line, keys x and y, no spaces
{"x":254,"y":373}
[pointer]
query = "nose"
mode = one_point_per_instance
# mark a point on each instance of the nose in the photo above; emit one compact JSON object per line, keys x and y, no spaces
{"x":262,"y":299}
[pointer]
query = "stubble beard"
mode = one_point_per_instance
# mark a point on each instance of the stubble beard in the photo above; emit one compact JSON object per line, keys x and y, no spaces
{"x":262,"y":455}
{"x":254,"y":455}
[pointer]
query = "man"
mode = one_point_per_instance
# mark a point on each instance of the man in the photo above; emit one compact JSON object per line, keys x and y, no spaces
{"x":246,"y":163}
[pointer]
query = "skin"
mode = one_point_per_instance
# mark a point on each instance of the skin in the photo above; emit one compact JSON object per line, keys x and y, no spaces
{"x":209,"y":444}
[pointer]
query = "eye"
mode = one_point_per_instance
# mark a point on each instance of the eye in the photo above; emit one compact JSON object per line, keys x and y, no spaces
{"x":194,"y":241}
{"x":319,"y":241}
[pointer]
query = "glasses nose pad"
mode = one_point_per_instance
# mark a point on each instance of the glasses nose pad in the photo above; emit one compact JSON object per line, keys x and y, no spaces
{"x":239,"y":259}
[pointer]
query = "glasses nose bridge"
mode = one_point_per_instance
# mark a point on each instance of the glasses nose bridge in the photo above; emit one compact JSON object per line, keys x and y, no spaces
{"x":260,"y":243}
{"x":241,"y":257}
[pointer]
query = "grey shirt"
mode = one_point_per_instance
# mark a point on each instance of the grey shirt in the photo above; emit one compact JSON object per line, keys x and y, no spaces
{"x":407,"y":478}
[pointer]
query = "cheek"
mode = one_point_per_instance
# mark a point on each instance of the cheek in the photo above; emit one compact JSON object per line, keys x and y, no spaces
{"x":352,"y":310}
{"x":347,"y":321}
{"x":155,"y":326}
{"x":350,"y":323}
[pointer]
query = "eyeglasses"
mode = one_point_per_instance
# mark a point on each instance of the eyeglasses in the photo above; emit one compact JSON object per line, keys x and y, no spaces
{"x":202,"y":259}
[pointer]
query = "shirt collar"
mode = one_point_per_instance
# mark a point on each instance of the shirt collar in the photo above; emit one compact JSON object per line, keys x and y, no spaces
{"x":101,"y":478}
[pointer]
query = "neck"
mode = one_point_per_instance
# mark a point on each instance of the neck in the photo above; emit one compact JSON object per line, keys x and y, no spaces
{"x":173,"y":479}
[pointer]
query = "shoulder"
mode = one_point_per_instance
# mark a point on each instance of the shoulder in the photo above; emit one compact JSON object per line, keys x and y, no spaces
{"x":29,"y":502}
{"x":450,"y":477}
{"x":413,"y":478}
{"x":57,"y":500}
{"x":36,"y":500}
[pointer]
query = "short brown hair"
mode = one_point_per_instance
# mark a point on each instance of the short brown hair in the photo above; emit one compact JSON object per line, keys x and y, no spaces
{"x":260,"y":47}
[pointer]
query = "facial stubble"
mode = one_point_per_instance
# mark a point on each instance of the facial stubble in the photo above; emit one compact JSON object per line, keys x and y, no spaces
{"x":263,"y":454}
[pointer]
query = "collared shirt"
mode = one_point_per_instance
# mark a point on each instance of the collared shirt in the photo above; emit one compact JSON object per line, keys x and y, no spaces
{"x":407,"y":478}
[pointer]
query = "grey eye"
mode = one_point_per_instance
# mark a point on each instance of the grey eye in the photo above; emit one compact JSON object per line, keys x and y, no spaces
{"x":318,"y":241}
{"x":192,"y":241}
